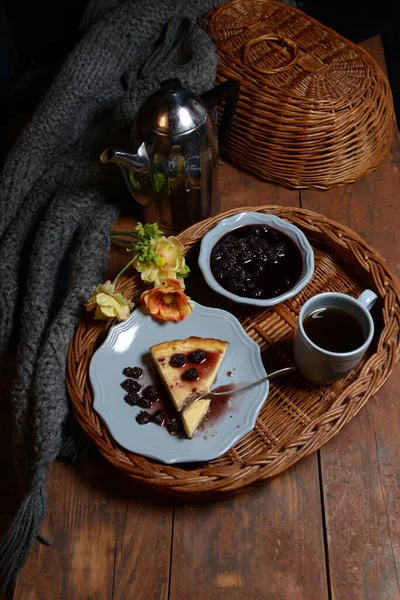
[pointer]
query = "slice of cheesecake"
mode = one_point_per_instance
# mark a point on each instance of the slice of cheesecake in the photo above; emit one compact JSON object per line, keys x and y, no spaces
{"x":187,"y":368}
{"x":193,"y":416}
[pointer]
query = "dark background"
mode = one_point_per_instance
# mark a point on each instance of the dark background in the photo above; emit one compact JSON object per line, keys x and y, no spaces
{"x":35,"y":38}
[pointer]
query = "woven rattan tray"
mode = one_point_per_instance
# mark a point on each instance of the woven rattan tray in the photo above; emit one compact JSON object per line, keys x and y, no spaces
{"x":298,"y":418}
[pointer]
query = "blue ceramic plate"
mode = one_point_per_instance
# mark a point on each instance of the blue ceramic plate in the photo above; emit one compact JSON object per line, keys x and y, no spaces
{"x":128,"y":344}
{"x":255,"y":218}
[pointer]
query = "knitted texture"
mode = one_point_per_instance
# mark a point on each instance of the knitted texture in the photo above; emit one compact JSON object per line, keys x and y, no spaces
{"x":57,"y":207}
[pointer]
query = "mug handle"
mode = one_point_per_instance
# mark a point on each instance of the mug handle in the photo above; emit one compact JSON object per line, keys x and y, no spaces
{"x":367,"y":299}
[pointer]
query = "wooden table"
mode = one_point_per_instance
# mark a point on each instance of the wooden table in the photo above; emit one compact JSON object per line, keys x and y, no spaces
{"x":327,"y":528}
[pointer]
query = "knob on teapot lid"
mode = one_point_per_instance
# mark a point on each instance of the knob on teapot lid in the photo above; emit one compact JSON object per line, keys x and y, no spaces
{"x":172,"y":110}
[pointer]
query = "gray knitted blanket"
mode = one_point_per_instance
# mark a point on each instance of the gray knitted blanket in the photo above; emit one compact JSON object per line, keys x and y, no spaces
{"x":57,"y":207}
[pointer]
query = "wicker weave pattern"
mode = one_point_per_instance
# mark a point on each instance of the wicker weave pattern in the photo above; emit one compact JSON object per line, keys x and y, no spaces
{"x":315,"y":110}
{"x":298,"y":418}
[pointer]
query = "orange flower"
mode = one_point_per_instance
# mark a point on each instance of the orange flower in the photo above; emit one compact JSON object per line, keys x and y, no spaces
{"x":167,"y":301}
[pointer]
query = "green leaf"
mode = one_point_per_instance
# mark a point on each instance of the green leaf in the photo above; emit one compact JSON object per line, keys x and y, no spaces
{"x":149,"y":232}
{"x":183,"y":273}
{"x":146,"y":236}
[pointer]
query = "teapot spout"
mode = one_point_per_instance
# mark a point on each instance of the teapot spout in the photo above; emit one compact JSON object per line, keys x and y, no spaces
{"x":135,"y":169}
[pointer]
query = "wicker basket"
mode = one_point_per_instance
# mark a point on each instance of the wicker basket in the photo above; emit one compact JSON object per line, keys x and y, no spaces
{"x":298,"y":417}
{"x":315,"y":110}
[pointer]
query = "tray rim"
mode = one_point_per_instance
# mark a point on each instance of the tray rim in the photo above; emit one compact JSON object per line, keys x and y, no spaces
{"x":205,"y":482}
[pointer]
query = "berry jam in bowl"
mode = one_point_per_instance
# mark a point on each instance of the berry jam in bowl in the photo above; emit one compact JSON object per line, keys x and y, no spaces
{"x":256,"y":259}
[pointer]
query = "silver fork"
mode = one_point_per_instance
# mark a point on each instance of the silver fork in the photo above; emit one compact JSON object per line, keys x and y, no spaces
{"x":248,"y":386}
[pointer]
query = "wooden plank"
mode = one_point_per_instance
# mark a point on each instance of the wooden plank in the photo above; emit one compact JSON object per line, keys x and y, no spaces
{"x":362,"y":502}
{"x":360,"y":465}
{"x":107,"y":536}
{"x":143,"y":558}
{"x":239,"y":188}
{"x":267,"y":543}
{"x":383,"y":412}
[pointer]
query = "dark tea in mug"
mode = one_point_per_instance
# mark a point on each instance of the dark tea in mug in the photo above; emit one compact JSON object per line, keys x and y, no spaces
{"x":334,"y":329}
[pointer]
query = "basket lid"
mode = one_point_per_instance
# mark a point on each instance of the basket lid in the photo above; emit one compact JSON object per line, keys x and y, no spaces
{"x":275,"y":45}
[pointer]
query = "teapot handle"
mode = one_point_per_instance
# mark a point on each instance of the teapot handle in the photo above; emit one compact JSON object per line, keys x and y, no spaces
{"x":228,"y":91}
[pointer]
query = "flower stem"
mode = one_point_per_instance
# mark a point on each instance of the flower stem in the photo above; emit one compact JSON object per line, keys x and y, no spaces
{"x":127,"y":233}
{"x":122,"y":270}
{"x":120,"y":240}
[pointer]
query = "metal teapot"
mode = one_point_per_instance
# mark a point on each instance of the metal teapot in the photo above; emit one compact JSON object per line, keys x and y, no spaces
{"x":173,"y":173}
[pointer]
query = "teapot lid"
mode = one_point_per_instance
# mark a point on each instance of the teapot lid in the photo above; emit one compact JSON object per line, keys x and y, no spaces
{"x":172,"y":110}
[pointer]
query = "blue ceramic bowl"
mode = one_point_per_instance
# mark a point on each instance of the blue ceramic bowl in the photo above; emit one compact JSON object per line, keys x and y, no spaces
{"x":255,"y":218}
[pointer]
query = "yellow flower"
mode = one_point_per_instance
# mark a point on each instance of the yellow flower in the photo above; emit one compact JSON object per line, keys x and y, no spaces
{"x":107,"y":303}
{"x":170,"y":263}
{"x":167,"y":301}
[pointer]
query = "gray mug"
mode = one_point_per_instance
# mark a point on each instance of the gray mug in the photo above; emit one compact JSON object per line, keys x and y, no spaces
{"x":322,"y":366}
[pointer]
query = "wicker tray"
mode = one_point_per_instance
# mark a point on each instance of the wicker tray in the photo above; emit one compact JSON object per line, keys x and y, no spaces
{"x":314,"y":110}
{"x":298,"y":417}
